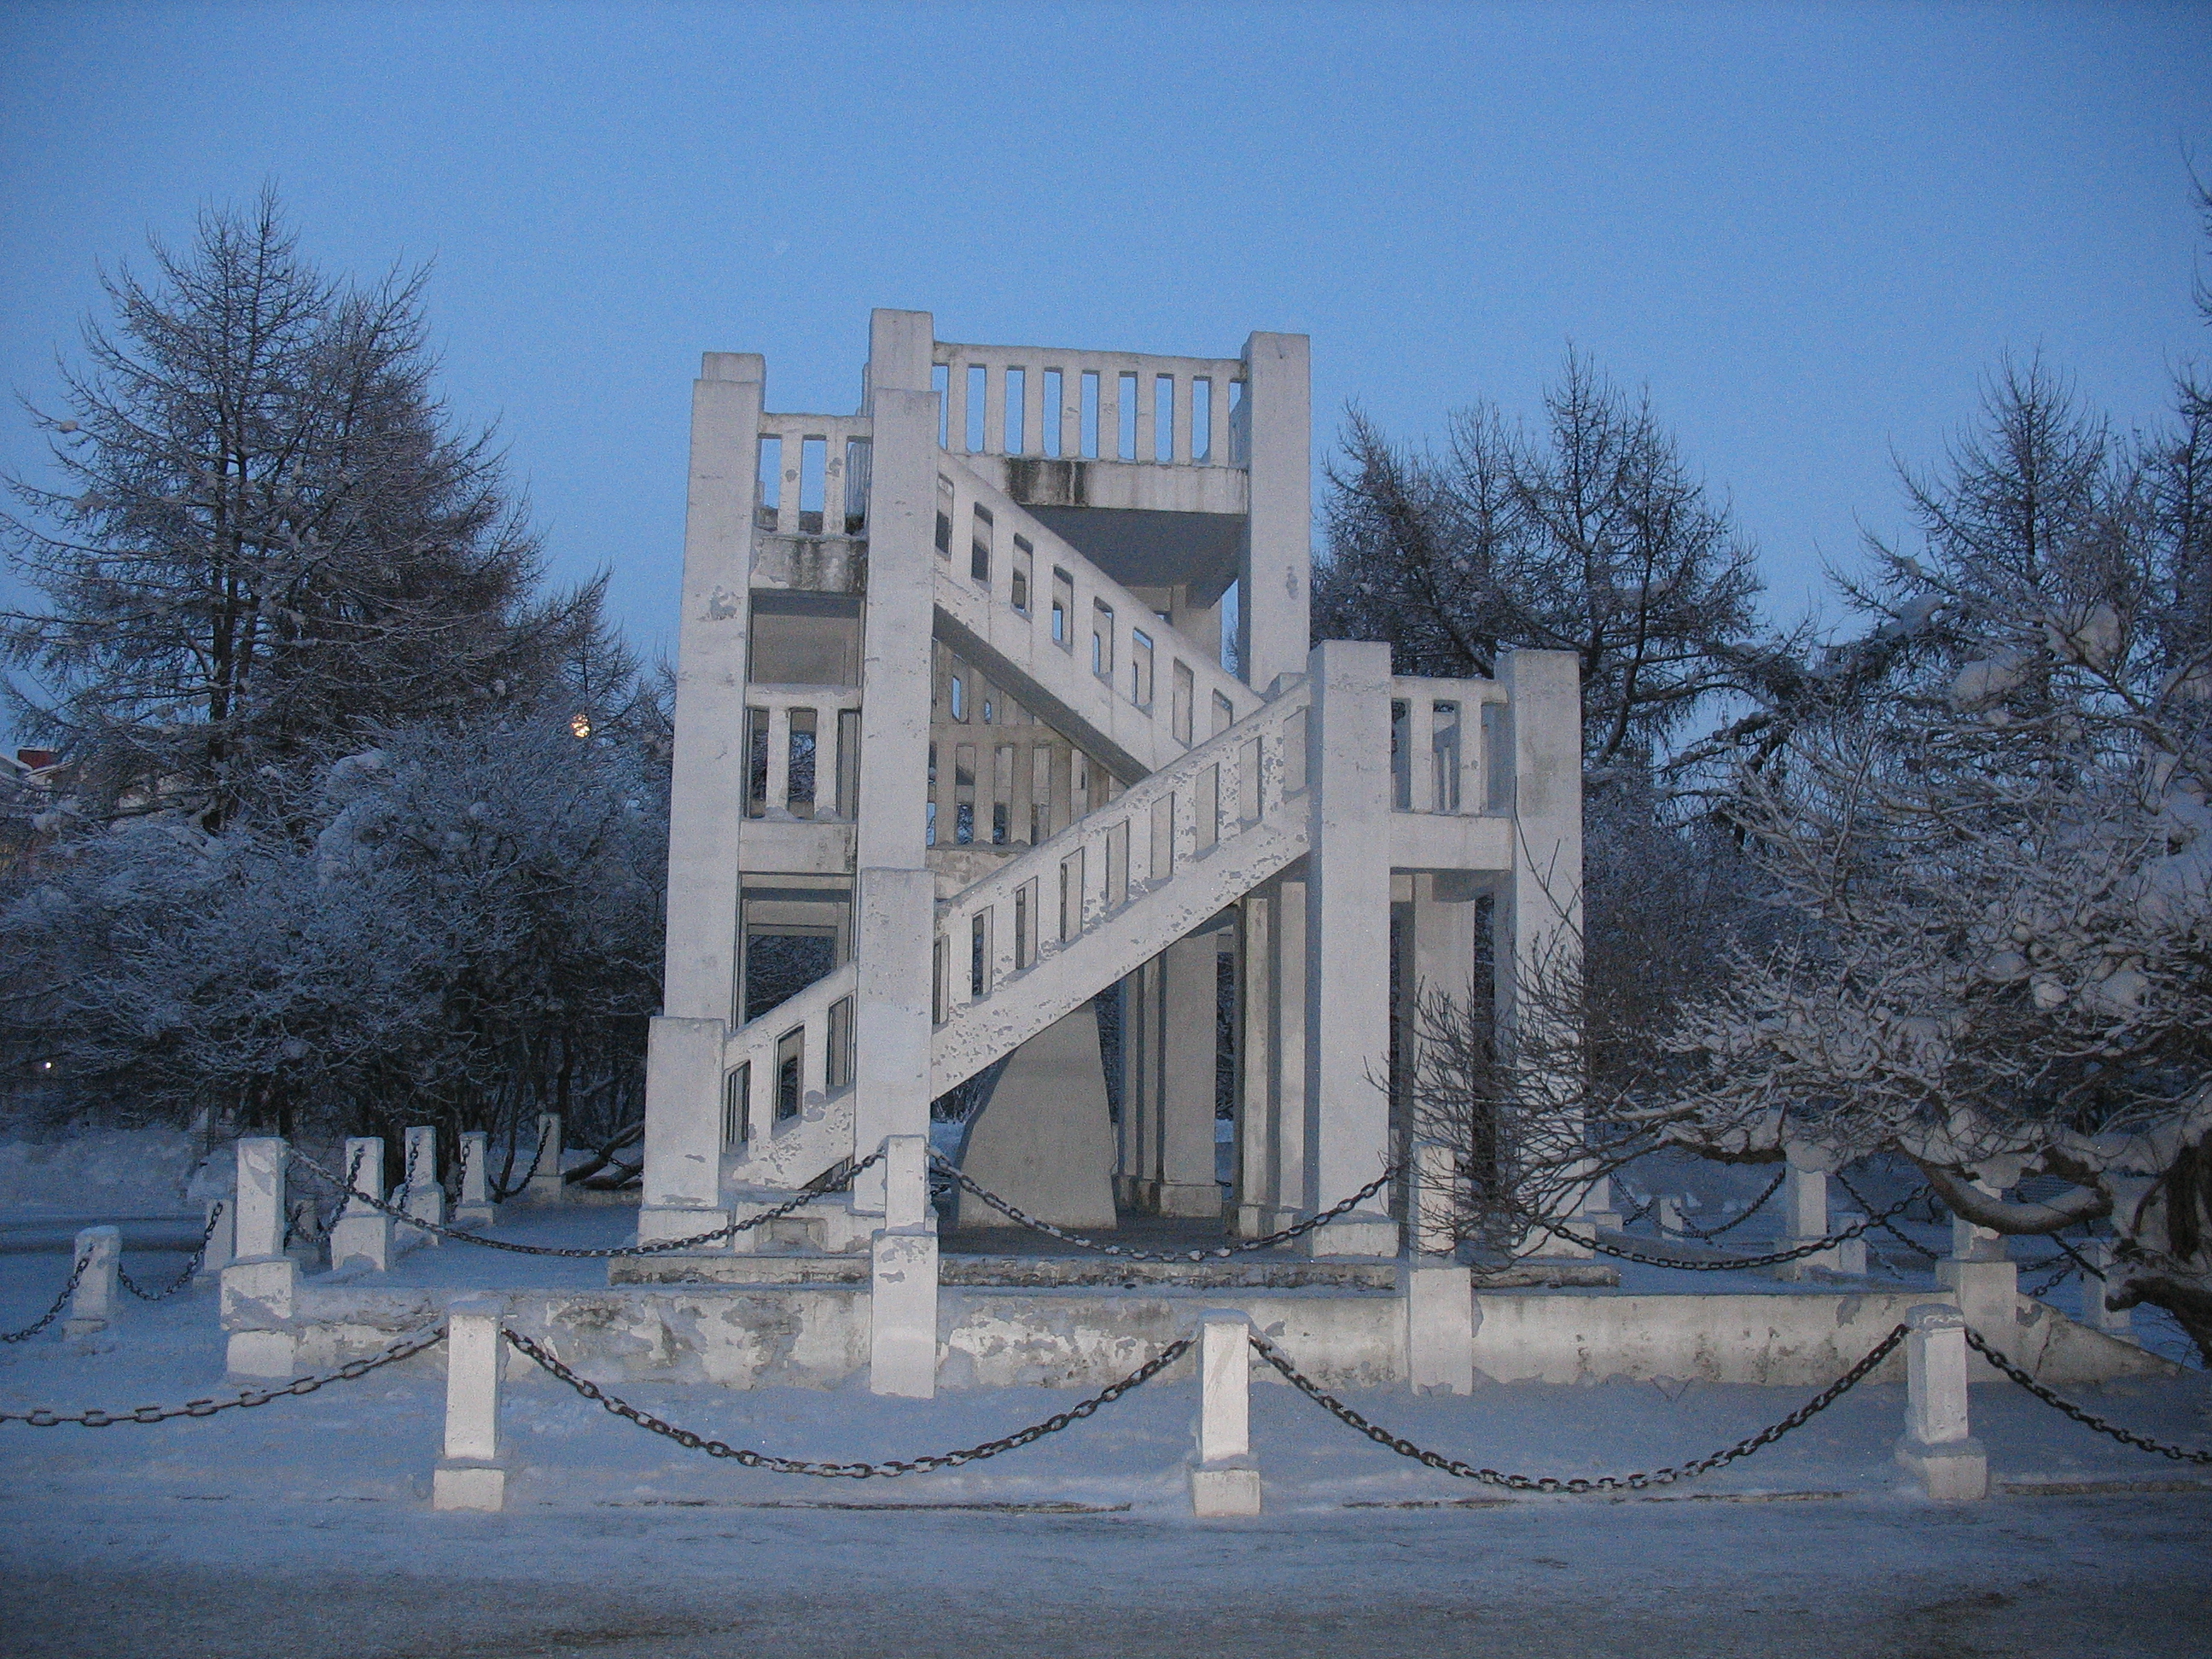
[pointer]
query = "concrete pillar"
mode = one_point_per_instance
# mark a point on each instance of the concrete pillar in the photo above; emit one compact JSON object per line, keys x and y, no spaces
{"x":1275,"y":563}
{"x":425,"y":1200}
{"x":470,"y":1474}
{"x":1434,"y":1189}
{"x":1805,"y":1217}
{"x":1255,"y":1064}
{"x":1852,"y":1253}
{"x":1042,"y":1142}
{"x":361,"y":1236}
{"x":1985,"y":1282}
{"x":1938,"y":1445}
{"x":1188,"y":1042}
{"x":1224,"y":1480}
{"x":895,"y":897}
{"x":1289,"y":1090}
{"x":476,"y":1208}
{"x":1140,"y":1056}
{"x":92,"y":1304}
{"x":260,"y":1287}
{"x":1438,"y":1293}
{"x":1972,"y":1243}
{"x":1669,"y":1210}
{"x":902,"y":1280}
{"x":546,"y":1185}
{"x":1348,"y":943}
{"x":1128,"y":1147}
{"x":221,"y":1225}
{"x":2113,"y":1321}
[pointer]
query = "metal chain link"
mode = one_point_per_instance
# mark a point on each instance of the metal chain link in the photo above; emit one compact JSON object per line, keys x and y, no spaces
{"x":93,"y":1417}
{"x":215,"y":1215}
{"x":1577,"y":1484}
{"x":659,"y":1247}
{"x":2088,"y":1419}
{"x":1734,"y":1263}
{"x":1756,"y":1205}
{"x":753,"y":1460}
{"x":1122,"y":1252}
{"x":53,"y":1313}
{"x":1918,"y":1248}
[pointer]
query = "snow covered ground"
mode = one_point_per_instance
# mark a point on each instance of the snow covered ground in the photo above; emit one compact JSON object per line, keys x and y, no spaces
{"x":302,"y":1527}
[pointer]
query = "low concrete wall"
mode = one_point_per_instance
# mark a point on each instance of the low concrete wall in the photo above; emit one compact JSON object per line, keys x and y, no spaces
{"x":816,"y":1335}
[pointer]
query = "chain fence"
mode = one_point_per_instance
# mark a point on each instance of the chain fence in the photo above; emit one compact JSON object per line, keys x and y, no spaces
{"x":753,"y":1460}
{"x":76,"y":1275}
{"x":215,"y":1215}
{"x":94,"y":1418}
{"x":1732,"y":1264}
{"x":1124,"y":1253}
{"x":2086,"y":1418}
{"x":1578,"y":1484}
{"x":1744,"y":1215}
{"x":836,"y":1182}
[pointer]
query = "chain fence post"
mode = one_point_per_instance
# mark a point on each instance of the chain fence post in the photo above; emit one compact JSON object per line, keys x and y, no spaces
{"x":1804,"y":1216}
{"x":1669,"y":1212}
{"x":1224,"y":1480}
{"x":476,"y":1208}
{"x":546,"y":1186}
{"x":902,"y":1277}
{"x":92,"y":1304}
{"x":2118,"y":1322}
{"x":361,"y":1236}
{"x":1938,"y":1445}
{"x":261,"y":1284}
{"x":1851,"y":1253}
{"x":1438,"y":1293}
{"x":221,"y":1234}
{"x":472,"y":1474}
{"x":426,"y":1195}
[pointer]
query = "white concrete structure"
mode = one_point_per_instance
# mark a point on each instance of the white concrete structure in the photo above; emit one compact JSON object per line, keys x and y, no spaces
{"x":1222,"y":1478}
{"x":476,"y":1208}
{"x":956,"y":733}
{"x":92,"y":1304}
{"x":545,"y":1185}
{"x":1938,"y":1445}
{"x":470,"y":1474}
{"x":361,"y":1236}
{"x":260,"y":1287}
{"x":423,"y":1198}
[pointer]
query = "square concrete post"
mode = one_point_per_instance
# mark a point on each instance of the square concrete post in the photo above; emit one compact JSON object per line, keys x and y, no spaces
{"x":1669,"y":1210}
{"x":895,"y":907}
{"x":1439,"y":1293}
{"x":2113,"y":1321}
{"x":1972,"y":1243}
{"x":903,"y":1279}
{"x":92,"y":1304}
{"x":1986,"y":1284}
{"x":706,"y":804}
{"x":546,"y":1186}
{"x":1275,"y":564}
{"x":1188,"y":973}
{"x":221,"y":1225}
{"x":1136,"y":1177}
{"x":361,"y":1236}
{"x":476,"y":1208}
{"x":1348,"y":944}
{"x":425,"y":1198}
{"x":1938,"y":1445}
{"x":1224,"y":1480}
{"x":470,"y":1474}
{"x":1852,"y":1253}
{"x":261,"y":1284}
{"x":1289,"y":1088}
{"x":1255,"y":1064}
{"x":1805,"y":1217}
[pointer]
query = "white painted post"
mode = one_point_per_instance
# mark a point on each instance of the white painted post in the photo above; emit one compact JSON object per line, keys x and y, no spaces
{"x":361,"y":1236}
{"x":92,"y":1304}
{"x":1669,"y":1210}
{"x":903,"y":1277}
{"x":426,"y":1197}
{"x":1851,"y":1254}
{"x":1274,"y":565}
{"x":222,"y":1230}
{"x":1598,"y":1213}
{"x":261,"y":1284}
{"x":1804,"y":1218}
{"x":546,"y":1186}
{"x":2112,"y":1321}
{"x":471,"y":1475}
{"x":1985,"y":1280}
{"x":1222,"y":1478}
{"x":476,"y":1208}
{"x":1938,"y":1445}
{"x":1188,"y":970}
{"x":1439,"y":1293}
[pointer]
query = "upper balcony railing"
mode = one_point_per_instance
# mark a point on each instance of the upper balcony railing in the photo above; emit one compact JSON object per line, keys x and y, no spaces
{"x":1450,"y":750}
{"x":814,"y":475}
{"x":1092,"y":406}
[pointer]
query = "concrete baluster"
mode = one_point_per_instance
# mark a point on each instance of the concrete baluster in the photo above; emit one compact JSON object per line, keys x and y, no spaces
{"x":260,"y":1287}
{"x":1938,"y":1445}
{"x":1224,"y":1480}
{"x":426,"y":1197}
{"x":361,"y":1236}
{"x":903,"y":1276}
{"x":92,"y":1304}
{"x":471,"y":1475}
{"x":476,"y":1208}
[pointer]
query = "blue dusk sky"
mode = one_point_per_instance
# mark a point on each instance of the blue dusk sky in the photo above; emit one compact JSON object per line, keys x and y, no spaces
{"x":1808,"y":230}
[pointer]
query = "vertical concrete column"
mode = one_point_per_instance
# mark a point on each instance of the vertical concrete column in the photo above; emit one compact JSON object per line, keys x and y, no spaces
{"x":546,"y":1186}
{"x":1805,"y":1216}
{"x":1189,"y":982}
{"x":895,"y":907}
{"x":1289,"y":1087}
{"x":222,"y":1226}
{"x":426,"y":1194}
{"x":1224,"y":1480}
{"x":1538,"y":955}
{"x":1438,"y":1293}
{"x":1275,"y":564}
{"x":361,"y":1236}
{"x":903,"y":1299}
{"x":1985,"y":1282}
{"x":707,"y":803}
{"x":261,"y":1284}
{"x":1445,"y":913}
{"x":1938,"y":1445}
{"x":1668,"y":1211}
{"x":1972,"y":1243}
{"x":1139,"y":1186}
{"x":92,"y":1304}
{"x":2113,"y":1321}
{"x":1255,"y":994}
{"x":470,"y":1474}
{"x":1348,"y":943}
{"x":476,"y":1208}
